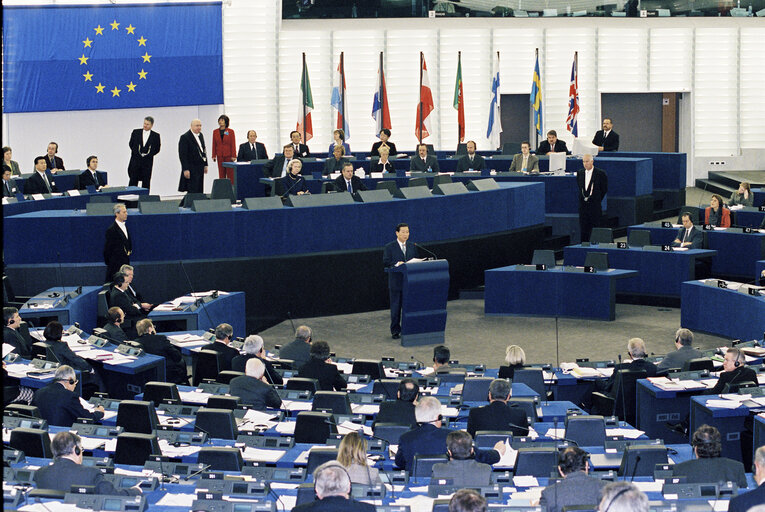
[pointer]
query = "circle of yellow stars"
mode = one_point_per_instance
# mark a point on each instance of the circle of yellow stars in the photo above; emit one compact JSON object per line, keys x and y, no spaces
{"x":145,"y":58}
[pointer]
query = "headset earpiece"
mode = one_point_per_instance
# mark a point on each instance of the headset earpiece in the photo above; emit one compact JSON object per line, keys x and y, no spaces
{"x":77,"y":450}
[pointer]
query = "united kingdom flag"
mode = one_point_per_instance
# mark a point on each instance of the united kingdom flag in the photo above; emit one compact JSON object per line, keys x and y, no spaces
{"x":573,"y":101}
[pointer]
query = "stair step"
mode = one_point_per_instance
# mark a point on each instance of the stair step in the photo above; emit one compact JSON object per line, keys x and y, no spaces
{"x":714,"y":187}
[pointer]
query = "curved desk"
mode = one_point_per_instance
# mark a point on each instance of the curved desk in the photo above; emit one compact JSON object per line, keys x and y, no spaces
{"x":721,"y":311}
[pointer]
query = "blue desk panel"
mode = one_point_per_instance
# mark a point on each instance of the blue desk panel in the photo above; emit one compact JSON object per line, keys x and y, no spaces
{"x":661,"y":273}
{"x":251,"y":234}
{"x":82,"y":308}
{"x":657,"y":407}
{"x":759,"y":269}
{"x":228,"y":308}
{"x":554,"y":292}
{"x":668,"y":168}
{"x":737,"y":253}
{"x":721,"y":311}
{"x":65,"y":202}
{"x":749,"y":217}
{"x":759,"y":196}
{"x":730,"y":423}
{"x":759,"y":432}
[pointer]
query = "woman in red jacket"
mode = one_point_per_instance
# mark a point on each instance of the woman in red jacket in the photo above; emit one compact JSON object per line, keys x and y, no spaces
{"x":716,"y":214}
{"x":224,"y":148}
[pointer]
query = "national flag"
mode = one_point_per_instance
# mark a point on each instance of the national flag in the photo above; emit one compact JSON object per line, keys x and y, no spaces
{"x":573,"y":100}
{"x":426,"y":105}
{"x":339,"y":101}
{"x":459,"y":99}
{"x":495,"y":123}
{"x":304,"y":124}
{"x":380,"y":111}
{"x":536,"y":98}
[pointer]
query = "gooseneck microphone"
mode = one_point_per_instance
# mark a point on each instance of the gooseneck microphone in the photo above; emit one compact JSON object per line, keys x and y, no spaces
{"x":426,"y":250}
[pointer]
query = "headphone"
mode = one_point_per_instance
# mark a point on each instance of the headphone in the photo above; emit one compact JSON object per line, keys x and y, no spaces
{"x":440,"y":418}
{"x":616,"y":497}
{"x":77,"y":450}
{"x":737,"y":363}
{"x":70,"y":381}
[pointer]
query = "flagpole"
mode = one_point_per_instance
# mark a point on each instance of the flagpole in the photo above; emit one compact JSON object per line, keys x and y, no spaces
{"x":342,"y":96}
{"x":420,"y":122}
{"x":536,"y":132}
{"x":499,"y":110}
{"x":576,"y":91}
{"x":303,"y":87}
{"x":459,"y":67}
{"x":381,"y":95}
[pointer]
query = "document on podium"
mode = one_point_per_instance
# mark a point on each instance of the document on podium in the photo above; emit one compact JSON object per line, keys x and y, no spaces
{"x":416,"y":260}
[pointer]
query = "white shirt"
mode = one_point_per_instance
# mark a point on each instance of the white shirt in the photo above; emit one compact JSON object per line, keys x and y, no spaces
{"x":587,"y":178}
{"x":44,"y":176}
{"x":123,"y":227}
{"x":605,"y":133}
{"x":403,"y":248}
{"x":199,"y":142}
{"x":146,"y":134}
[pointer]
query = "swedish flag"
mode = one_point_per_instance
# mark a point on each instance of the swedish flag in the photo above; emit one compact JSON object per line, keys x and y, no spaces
{"x":536,"y":98}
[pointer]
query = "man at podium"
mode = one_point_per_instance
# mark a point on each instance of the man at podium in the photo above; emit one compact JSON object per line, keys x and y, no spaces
{"x":397,"y":252}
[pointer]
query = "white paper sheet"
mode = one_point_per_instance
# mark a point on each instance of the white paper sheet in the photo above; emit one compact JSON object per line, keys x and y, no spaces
{"x":177,"y":500}
{"x":261,"y":455}
{"x":286,"y":427}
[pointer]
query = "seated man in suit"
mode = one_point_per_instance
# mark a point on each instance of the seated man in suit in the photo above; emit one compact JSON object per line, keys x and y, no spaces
{"x":320,"y":367}
{"x":525,"y":161}
{"x":41,"y":182}
{"x":637,"y":352}
{"x":67,"y":469}
{"x":401,"y":410}
{"x":441,"y":357}
{"x":471,"y":161}
{"x":159,"y":345}
{"x":688,"y":236}
{"x":91,"y":381}
{"x":734,"y":372}
{"x":623,"y":496}
{"x":130,"y":306}
{"x":9,"y":184}
{"x":298,"y":350}
{"x":577,"y":487}
{"x":462,"y":467}
{"x":52,"y":162}
{"x":115,"y":317}
{"x":253,"y":388}
{"x":129,"y":273}
{"x":333,"y":491}
{"x":684,"y":352}
{"x":498,"y":415}
{"x":429,"y":438}
{"x":301,"y":150}
{"x":277,"y":167}
{"x":709,"y":466}
{"x":59,"y":403}
{"x":467,"y":500}
{"x":223,"y":336}
{"x":552,"y":145}
{"x":423,"y":162}
{"x":11,"y":334}
{"x":252,"y":149}
{"x":336,"y":162}
{"x":744,"y":501}
{"x":89,"y":176}
{"x":606,"y":139}
{"x":347,"y":181}
{"x":253,"y":348}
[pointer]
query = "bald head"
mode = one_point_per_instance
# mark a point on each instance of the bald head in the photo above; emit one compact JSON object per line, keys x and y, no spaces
{"x":196,"y":126}
{"x":587,"y":161}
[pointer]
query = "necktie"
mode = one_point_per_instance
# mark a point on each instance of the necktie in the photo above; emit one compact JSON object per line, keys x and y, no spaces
{"x":255,"y":150}
{"x":525,"y":162}
{"x":95,"y":178}
{"x":53,"y":162}
{"x":350,"y":188}
{"x":685,"y":235}
{"x":8,"y":187}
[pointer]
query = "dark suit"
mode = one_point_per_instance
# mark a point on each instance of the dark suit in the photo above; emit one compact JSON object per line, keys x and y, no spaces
{"x":498,"y":416}
{"x":677,"y":358}
{"x":35,"y":184}
{"x":246,"y":153}
{"x":54,"y":163}
{"x":298,"y":351}
{"x":274,"y":168}
{"x":142,"y":157}
{"x":737,"y":376}
{"x":590,"y":210}
{"x":65,"y":355}
{"x":341,"y":185}
{"x":635,"y":365}
{"x":14,"y":338}
{"x":239,"y":364}
{"x":477,"y":164}
{"x":129,"y":305}
{"x":64,"y":473}
{"x":327,"y":374}
{"x":301,"y":150}
{"x":507,"y":372}
{"x":578,"y":488}
{"x":9,"y":188}
{"x":117,"y":249}
{"x":397,"y":411}
{"x":254,"y":392}
{"x":610,"y":143}
{"x":291,"y":186}
{"x":87,"y":179}
{"x":464,"y":473}
{"x":427,"y":439}
{"x":335,"y":504}
{"x":115,"y":333}
{"x":60,"y":406}
{"x":226,"y":353}
{"x":377,"y":166}
{"x":745,"y":501}
{"x":711,"y":470}
{"x":416,"y":164}
{"x":392,"y":254}
{"x":175,"y":366}
{"x":332,"y":164}
{"x":560,"y":147}
{"x":695,"y":237}
{"x":194,"y":160}
{"x":376,"y":148}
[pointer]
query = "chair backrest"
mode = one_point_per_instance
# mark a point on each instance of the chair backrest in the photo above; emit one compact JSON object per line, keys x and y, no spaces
{"x":737,"y":386}
{"x":486,"y":439}
{"x":532,"y":377}
{"x":625,"y":394}
{"x":695,"y":212}
{"x":218,"y":423}
{"x":369,"y":367}
{"x":138,"y":416}
{"x":537,"y":461}
{"x":602,"y":236}
{"x":422,"y":464}
{"x":314,"y":427}
{"x":102,"y":305}
{"x":452,"y":376}
{"x":100,"y":199}
{"x":148,"y":198}
{"x":335,"y":401}
{"x":386,"y":387}
{"x":543,"y":257}
{"x":133,"y":448}
{"x":599,"y":260}
{"x":391,"y":432}
{"x":441,"y":178}
{"x":226,"y":376}
{"x":387,"y":185}
{"x":476,"y":389}
{"x":528,"y":404}
{"x":511,"y":148}
{"x":34,"y":442}
{"x":223,"y":402}
{"x":206,"y":365}
{"x":640,"y":460}
{"x":223,"y":189}
{"x":157,"y":391}
{"x":586,"y":430}
{"x":698,"y":363}
{"x":28,"y":410}
{"x":190,"y":197}
{"x":221,"y":458}
{"x":639,"y":238}
{"x":318,"y":456}
{"x":461,"y":149}
{"x":417,"y":182}
{"x":303,"y":383}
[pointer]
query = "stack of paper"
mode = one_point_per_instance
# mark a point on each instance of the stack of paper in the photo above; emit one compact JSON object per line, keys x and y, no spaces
{"x":628,"y":433}
{"x":261,"y":455}
{"x":349,"y":426}
{"x":194,"y":397}
{"x":296,"y":405}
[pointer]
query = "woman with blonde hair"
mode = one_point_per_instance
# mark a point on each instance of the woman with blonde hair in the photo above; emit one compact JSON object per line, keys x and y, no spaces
{"x":515,"y":358}
{"x":352,"y":454}
{"x":742,"y":196}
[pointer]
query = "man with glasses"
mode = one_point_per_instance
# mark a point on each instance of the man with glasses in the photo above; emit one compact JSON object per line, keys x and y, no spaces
{"x":59,"y":403}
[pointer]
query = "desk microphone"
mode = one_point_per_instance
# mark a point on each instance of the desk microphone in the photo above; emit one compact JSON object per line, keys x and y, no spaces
{"x":634,"y":468}
{"x":195,"y":473}
{"x":426,"y":250}
{"x":420,"y":363}
{"x":191,"y":287}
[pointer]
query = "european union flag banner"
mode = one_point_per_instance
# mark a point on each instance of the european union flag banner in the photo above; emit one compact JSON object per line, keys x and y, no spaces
{"x":101,"y":57}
